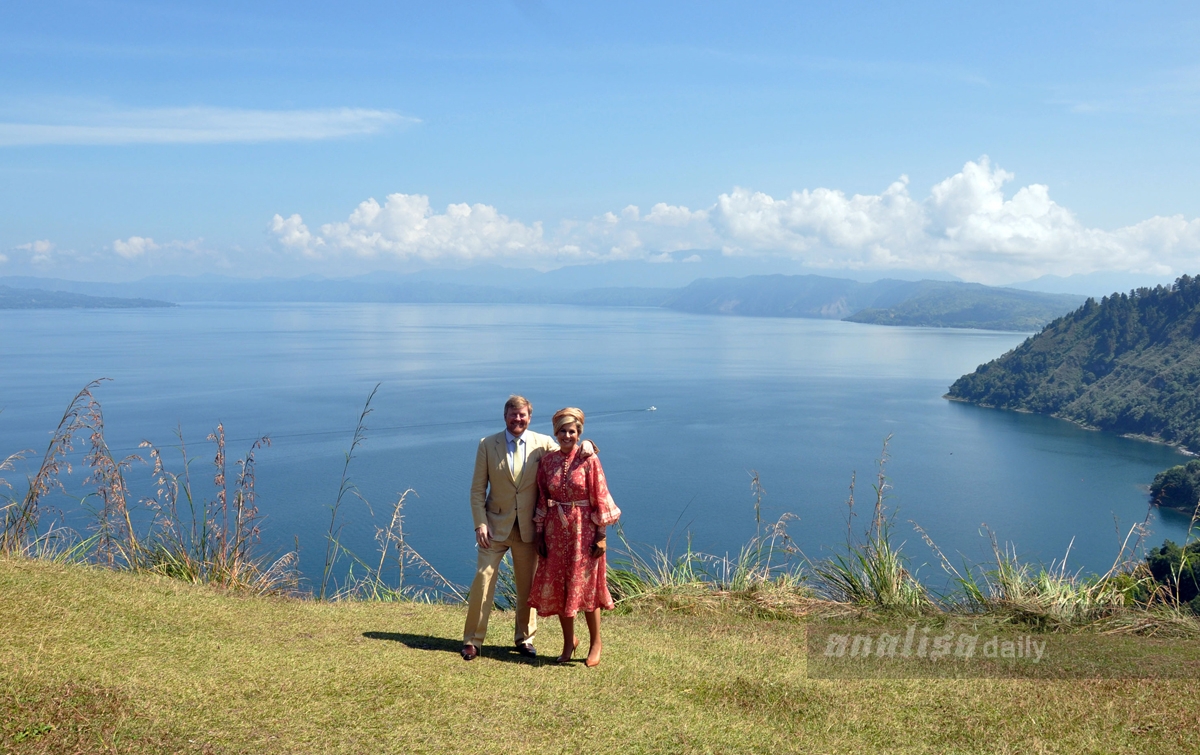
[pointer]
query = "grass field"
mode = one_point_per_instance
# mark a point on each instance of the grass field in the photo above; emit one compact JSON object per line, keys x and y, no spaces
{"x":101,"y":661}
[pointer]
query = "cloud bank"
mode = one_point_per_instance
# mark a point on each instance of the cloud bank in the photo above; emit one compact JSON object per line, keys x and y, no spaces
{"x":966,"y":226}
{"x":135,"y":255}
{"x":39,"y":251}
{"x":134,"y":247}
{"x":198,"y":125}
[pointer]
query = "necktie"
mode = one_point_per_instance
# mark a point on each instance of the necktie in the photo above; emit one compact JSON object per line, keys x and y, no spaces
{"x":518,"y":460}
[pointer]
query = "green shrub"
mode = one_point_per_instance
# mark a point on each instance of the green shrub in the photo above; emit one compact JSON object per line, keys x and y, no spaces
{"x":1178,"y":570}
{"x":1178,"y":487}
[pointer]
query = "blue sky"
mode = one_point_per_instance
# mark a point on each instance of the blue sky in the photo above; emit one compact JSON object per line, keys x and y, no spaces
{"x":996,"y":142}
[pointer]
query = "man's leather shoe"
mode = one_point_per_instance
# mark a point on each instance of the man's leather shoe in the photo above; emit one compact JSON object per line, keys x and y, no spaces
{"x":469,"y":652}
{"x":526,"y":649}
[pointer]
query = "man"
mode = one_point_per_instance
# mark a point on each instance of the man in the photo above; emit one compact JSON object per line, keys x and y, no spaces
{"x":503,"y":497}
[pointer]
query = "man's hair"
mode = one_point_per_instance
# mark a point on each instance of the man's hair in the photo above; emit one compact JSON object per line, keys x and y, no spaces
{"x":517,"y":402}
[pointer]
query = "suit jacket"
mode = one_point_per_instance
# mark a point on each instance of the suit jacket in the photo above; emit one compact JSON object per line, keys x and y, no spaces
{"x":497,"y":499}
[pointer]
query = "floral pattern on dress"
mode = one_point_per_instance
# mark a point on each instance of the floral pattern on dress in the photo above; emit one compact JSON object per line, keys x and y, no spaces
{"x":569,"y":579}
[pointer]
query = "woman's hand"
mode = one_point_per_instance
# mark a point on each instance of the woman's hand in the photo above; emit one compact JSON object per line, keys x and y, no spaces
{"x":539,"y":542}
{"x":600,"y":547}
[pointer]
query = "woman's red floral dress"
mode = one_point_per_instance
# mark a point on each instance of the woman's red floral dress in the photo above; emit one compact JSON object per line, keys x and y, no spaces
{"x":573,"y":500}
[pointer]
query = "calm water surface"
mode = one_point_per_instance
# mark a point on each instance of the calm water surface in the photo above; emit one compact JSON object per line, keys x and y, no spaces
{"x":806,"y":403}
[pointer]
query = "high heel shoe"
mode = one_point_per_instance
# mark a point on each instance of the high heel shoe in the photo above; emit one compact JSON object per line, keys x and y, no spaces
{"x":568,"y":658}
{"x":588,"y":661}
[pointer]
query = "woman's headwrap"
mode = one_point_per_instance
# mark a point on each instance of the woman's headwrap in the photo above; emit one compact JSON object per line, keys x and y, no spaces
{"x":567,"y":416}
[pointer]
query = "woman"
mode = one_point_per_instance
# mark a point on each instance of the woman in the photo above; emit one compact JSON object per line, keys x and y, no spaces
{"x":573,"y":511}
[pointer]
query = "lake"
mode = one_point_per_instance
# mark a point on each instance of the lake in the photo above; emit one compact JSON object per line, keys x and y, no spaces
{"x":805,"y":403}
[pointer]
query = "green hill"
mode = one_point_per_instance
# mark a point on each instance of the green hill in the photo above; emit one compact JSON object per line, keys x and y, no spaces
{"x":1129,"y":363}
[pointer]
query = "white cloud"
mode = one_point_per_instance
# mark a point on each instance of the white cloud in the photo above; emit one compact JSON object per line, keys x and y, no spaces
{"x":40,"y":251}
{"x":810,"y":224}
{"x":965,"y":226}
{"x":197,"y":125}
{"x":293,"y":234}
{"x":44,"y":246}
{"x":665,"y":214}
{"x":406,"y":227}
{"x":134,"y":247}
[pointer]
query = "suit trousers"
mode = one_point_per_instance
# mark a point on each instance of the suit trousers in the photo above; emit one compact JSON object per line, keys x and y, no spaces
{"x":483,"y":588}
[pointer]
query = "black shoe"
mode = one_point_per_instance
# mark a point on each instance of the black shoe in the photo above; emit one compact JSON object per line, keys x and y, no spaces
{"x":526,"y":649}
{"x":469,"y":652}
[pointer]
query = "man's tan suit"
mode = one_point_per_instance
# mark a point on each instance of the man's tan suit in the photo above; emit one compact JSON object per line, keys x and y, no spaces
{"x":505,"y":504}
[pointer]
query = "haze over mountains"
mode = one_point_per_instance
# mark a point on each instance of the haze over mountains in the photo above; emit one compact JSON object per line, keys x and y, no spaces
{"x":886,"y":301}
{"x":1094,"y":284}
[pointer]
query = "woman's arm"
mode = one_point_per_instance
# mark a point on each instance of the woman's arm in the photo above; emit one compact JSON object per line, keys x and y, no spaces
{"x":604,"y":509}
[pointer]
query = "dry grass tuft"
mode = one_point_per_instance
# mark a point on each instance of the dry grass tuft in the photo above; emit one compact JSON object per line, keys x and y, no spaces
{"x":201,"y":541}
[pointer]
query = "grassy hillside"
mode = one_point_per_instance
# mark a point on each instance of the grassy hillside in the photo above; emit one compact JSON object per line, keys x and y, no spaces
{"x":1129,"y":364}
{"x":93,"y":660}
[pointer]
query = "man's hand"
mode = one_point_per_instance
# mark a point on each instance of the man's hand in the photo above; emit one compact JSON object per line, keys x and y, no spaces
{"x":588,"y":448}
{"x":539,"y":542}
{"x":483,"y":536}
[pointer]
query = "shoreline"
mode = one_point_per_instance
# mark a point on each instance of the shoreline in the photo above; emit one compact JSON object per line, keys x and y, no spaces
{"x":1081,"y":425}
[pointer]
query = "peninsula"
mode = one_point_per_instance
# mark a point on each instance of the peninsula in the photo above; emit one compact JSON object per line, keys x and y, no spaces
{"x":33,"y":298}
{"x":1129,"y":364}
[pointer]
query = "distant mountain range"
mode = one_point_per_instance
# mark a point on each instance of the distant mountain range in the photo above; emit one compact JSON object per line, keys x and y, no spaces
{"x":1129,"y":363}
{"x":885,"y":302}
{"x":1093,"y":284}
{"x":928,"y":303}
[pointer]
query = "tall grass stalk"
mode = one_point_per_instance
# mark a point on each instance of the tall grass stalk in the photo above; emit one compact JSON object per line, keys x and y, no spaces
{"x":214,"y":541}
{"x":394,"y":549}
{"x":214,"y":544}
{"x":1048,"y":596}
{"x":1186,"y":559}
{"x":118,"y":542}
{"x":333,"y":544}
{"x":768,"y":561}
{"x":22,"y":517}
{"x":364,"y":581}
{"x":872,"y":571}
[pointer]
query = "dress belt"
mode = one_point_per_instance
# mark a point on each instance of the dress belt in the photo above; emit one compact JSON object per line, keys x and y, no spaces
{"x":562,"y":515}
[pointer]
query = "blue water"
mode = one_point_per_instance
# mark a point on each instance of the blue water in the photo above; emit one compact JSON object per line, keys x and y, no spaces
{"x":805,"y":403}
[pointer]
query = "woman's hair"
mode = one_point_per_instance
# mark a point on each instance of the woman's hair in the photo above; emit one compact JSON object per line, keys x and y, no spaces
{"x":567,"y":416}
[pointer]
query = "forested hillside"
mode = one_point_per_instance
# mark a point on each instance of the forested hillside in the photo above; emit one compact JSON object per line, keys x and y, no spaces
{"x":1129,"y":363}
